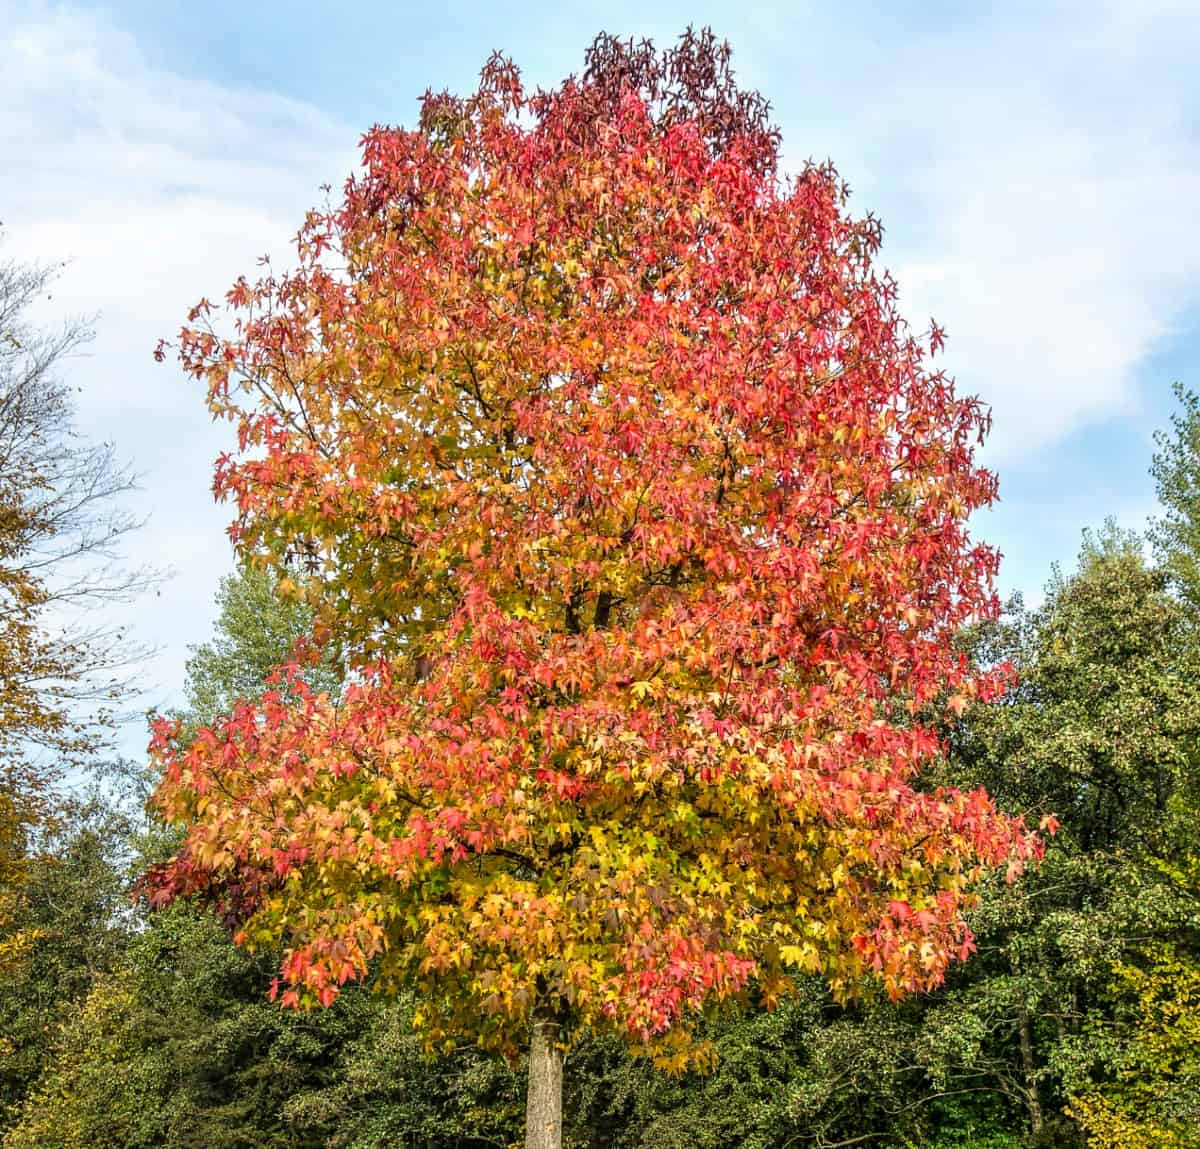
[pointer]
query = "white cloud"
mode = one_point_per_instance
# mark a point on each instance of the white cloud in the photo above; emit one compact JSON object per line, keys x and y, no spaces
{"x":1054,"y":173}
{"x":158,"y":188}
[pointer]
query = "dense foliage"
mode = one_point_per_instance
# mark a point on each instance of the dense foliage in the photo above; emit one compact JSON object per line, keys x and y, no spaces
{"x":640,"y":520}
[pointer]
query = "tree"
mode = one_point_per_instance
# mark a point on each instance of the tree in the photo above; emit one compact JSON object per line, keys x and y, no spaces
{"x":70,"y":909}
{"x":169,"y":1039}
{"x":1155,"y":1099}
{"x":1101,"y":726}
{"x":60,"y":674}
{"x":600,"y":452}
{"x":256,"y":631}
{"x":178,"y":1047}
{"x":1176,"y":471}
{"x":60,"y":530}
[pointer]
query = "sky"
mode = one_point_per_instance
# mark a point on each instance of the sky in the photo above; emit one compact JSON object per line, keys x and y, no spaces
{"x":1036,"y":168}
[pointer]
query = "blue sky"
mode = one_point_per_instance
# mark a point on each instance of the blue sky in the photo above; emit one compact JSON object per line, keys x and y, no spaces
{"x":1036,"y":167}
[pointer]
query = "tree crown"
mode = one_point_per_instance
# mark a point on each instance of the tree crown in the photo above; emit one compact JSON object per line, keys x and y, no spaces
{"x":602,"y":451}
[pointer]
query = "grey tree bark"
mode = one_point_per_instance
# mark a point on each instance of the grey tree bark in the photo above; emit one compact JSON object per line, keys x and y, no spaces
{"x":543,"y":1108}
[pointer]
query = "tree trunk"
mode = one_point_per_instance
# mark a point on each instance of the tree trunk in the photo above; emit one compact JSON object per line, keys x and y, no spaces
{"x":543,"y":1109}
{"x":1027,"y":1064}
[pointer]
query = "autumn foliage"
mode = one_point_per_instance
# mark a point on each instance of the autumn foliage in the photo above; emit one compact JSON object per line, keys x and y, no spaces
{"x":605,"y":461}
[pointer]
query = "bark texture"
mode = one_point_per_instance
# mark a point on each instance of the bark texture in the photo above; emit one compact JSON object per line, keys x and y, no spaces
{"x":543,"y":1109}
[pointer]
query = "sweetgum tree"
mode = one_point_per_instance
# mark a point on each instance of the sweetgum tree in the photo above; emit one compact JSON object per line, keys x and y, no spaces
{"x":606,"y":464}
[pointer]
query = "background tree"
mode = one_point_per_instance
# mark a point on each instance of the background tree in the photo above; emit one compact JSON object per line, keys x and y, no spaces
{"x":603,"y":455}
{"x":60,"y":677}
{"x":1176,"y":470}
{"x":257,"y":630}
{"x":70,"y":907}
{"x":60,"y":528}
{"x":1153,"y":1098}
{"x":177,"y":1046}
{"x":61,"y":525}
{"x":1102,"y":728}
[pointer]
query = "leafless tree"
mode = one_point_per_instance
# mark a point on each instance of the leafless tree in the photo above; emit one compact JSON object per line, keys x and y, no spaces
{"x":64,"y":669}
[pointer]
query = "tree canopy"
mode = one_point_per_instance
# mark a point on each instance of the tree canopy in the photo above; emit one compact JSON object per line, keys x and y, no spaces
{"x":600,"y":452}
